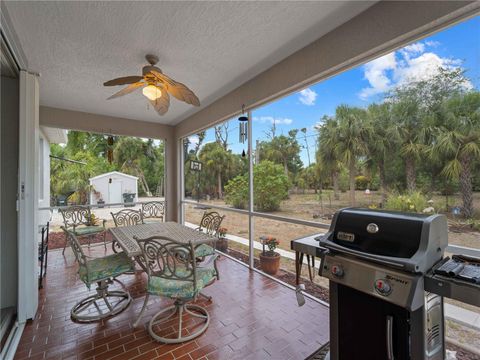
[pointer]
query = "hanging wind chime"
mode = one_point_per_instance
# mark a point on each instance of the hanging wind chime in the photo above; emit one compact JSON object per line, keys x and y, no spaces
{"x":243,"y":128}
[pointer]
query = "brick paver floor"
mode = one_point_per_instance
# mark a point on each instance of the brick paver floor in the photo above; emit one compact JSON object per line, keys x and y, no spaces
{"x":252,"y":317}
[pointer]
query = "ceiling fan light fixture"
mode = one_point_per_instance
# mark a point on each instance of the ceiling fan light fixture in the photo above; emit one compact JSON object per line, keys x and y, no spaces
{"x":152,"y":92}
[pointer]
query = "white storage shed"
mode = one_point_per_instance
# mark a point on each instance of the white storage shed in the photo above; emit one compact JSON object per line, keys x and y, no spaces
{"x":111,"y":186}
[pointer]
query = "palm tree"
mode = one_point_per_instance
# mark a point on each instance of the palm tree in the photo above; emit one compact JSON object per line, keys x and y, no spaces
{"x":326,"y":155}
{"x":409,"y":120}
{"x":382,"y":139}
{"x":350,"y":140}
{"x":459,"y":140}
{"x":217,"y":161}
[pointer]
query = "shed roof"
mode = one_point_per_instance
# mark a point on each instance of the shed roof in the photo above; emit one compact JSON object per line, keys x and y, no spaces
{"x":113,"y":173}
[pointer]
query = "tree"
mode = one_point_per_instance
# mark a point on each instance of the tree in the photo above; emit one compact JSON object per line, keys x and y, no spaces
{"x":282,"y":150}
{"x":411,"y":130}
{"x":304,"y":131}
{"x":216,"y":161}
{"x":128,"y":154}
{"x":327,"y":159}
{"x":415,"y":106}
{"x":201,"y":137}
{"x":221,"y":134}
{"x":351,"y":138}
{"x":382,"y":138}
{"x":459,"y":140}
{"x":68,"y":176}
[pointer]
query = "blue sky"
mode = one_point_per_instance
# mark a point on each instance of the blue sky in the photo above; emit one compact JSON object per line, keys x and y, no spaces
{"x":456,"y":46}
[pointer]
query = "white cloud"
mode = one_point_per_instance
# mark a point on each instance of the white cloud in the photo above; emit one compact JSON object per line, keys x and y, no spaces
{"x":271,"y":120}
{"x":308,"y":97}
{"x":432,"y":43}
{"x":412,"y":49}
{"x":411,"y":63}
{"x":418,"y":68}
{"x":376,"y":74}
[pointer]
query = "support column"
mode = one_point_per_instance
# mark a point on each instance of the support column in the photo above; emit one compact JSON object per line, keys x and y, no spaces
{"x":172,"y":180}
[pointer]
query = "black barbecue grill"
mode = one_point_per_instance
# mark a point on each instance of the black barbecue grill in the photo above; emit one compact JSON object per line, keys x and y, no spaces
{"x":376,"y":262}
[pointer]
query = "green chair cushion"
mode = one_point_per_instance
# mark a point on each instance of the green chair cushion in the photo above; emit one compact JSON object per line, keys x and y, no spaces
{"x":87,"y":230}
{"x":180,"y":289}
{"x":204,"y":250}
{"x":107,"y":267}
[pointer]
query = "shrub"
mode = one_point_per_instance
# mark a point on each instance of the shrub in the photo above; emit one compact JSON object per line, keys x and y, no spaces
{"x":413,"y":202}
{"x":361,"y":182}
{"x":236,"y":192}
{"x":270,"y":184}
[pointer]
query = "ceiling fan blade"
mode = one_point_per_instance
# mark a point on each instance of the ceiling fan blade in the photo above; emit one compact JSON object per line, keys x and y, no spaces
{"x":127,"y":90}
{"x":177,"y":89}
{"x":161,"y":104}
{"x":123,"y":80}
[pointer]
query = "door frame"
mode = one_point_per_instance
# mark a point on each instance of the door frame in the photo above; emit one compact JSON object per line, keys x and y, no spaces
{"x":28,"y":197}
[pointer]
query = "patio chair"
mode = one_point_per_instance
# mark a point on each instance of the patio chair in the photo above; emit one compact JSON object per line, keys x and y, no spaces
{"x":78,"y":219}
{"x":102,"y":271}
{"x":173,"y":273}
{"x":153,"y":211}
{"x":125,"y":217}
{"x":209,"y":224}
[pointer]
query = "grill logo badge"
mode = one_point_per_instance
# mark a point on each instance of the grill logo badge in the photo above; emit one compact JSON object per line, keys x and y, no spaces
{"x":341,"y":235}
{"x":372,"y":228}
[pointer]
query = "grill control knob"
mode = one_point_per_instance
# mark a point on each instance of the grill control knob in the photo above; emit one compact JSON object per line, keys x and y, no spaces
{"x":383,"y":287}
{"x":337,"y":270}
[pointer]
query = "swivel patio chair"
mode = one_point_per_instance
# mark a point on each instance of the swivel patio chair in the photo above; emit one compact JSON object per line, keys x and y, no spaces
{"x":125,"y":217}
{"x":173,"y":273}
{"x":102,"y":271}
{"x":153,"y":211}
{"x":209,"y":224}
{"x":78,"y":219}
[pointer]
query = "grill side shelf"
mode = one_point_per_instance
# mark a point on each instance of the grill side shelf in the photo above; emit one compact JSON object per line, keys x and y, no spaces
{"x":452,"y":288}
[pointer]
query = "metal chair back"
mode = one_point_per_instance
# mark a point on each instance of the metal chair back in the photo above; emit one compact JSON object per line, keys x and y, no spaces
{"x":74,"y":216}
{"x":153,"y":209}
{"x":211,"y":222}
{"x":127,"y":217}
{"x":168,"y":259}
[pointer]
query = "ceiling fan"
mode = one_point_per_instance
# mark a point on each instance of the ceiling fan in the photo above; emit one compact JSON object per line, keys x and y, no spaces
{"x":156,"y":87}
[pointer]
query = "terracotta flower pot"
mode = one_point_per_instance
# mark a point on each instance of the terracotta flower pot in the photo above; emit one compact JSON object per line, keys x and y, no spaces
{"x":222,"y":244}
{"x":270,"y":263}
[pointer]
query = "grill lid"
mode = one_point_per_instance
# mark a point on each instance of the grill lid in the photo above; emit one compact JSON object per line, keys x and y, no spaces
{"x":379,"y":233}
{"x":414,"y":242}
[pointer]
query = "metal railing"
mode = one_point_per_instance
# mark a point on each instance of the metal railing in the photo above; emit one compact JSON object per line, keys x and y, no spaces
{"x":99,"y":206}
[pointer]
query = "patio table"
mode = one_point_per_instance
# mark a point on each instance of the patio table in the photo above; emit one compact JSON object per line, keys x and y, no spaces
{"x":178,"y":232}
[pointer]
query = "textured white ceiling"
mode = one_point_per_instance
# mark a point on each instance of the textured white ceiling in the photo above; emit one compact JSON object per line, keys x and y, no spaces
{"x":212,"y":47}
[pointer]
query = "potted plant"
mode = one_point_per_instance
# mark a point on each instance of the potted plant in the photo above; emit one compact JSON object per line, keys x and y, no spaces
{"x":92,"y":220}
{"x":222,"y":242}
{"x":269,"y":260}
